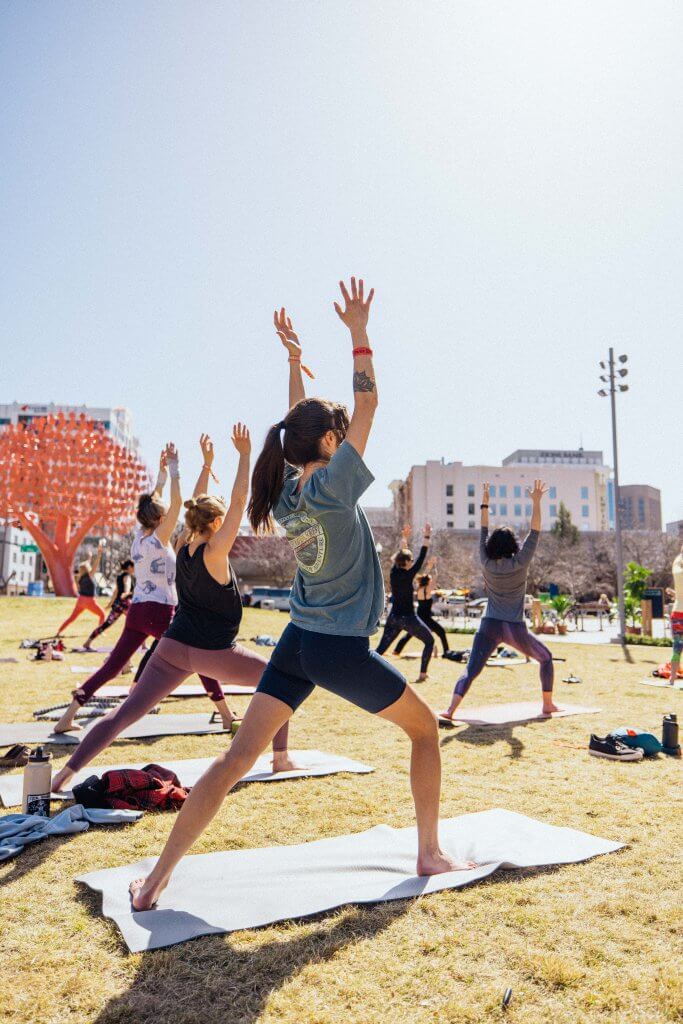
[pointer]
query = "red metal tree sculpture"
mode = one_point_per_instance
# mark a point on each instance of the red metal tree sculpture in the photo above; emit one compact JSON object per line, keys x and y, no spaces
{"x":61,"y":476}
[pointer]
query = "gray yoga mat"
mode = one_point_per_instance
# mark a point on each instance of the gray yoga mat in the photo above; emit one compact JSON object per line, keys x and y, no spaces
{"x":213,"y":893}
{"x":189,"y":690}
{"x":663,"y":682}
{"x":512,"y":714}
{"x":313,"y":763}
{"x":149,"y":725}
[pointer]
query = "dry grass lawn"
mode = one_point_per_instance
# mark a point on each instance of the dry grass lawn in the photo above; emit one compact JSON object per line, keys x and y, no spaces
{"x":593,"y":942}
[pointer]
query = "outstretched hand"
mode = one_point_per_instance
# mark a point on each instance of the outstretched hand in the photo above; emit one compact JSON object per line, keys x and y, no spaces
{"x":537,"y":492}
{"x":485,"y":495}
{"x":206,"y":445}
{"x":286,"y":333}
{"x":241,"y":439}
{"x":356,"y":307}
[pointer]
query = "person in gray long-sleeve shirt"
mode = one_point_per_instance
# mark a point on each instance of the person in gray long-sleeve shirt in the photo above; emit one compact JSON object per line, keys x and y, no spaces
{"x":505,"y":567}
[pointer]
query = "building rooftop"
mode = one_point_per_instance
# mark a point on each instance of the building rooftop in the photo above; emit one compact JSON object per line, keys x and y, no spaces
{"x":551,"y":456}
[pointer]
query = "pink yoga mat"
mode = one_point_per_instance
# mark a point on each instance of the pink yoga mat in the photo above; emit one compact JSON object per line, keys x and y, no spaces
{"x":510,"y":714}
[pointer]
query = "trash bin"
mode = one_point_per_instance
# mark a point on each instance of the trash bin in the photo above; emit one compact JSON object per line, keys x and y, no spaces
{"x":36,"y":588}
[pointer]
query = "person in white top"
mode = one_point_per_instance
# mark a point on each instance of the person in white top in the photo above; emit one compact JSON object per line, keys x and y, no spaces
{"x":154,"y":597}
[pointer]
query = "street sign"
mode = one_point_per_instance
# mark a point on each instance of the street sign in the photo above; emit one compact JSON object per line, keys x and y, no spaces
{"x":30,"y":547}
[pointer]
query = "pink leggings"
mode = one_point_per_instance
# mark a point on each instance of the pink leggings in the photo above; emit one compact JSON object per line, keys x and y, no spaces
{"x":144,"y":619}
{"x":171,"y":663}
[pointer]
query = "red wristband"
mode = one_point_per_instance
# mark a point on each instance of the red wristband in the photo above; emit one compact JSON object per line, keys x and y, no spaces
{"x":362,"y":352}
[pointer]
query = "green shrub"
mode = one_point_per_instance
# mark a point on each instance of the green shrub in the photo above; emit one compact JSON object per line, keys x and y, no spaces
{"x":647,"y":641}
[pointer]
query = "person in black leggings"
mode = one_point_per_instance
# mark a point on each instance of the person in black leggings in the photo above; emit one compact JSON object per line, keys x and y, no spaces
{"x":402,"y":615}
{"x":425,"y":587}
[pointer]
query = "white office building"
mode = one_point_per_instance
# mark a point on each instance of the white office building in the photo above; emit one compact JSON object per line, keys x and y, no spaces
{"x":117,"y":422}
{"x":17,"y":567}
{"x":448,"y":494}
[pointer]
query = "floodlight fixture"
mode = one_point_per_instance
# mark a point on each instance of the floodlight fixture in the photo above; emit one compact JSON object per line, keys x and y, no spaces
{"x":602,"y":393}
{"x":623,"y":359}
{"x":623,"y":372}
{"x":623,"y":387}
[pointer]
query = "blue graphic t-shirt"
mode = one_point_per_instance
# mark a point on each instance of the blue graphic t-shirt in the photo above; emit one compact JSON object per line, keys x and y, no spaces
{"x":338,"y":587}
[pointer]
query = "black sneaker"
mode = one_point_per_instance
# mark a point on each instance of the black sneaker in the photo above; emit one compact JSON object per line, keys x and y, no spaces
{"x":613,"y":749}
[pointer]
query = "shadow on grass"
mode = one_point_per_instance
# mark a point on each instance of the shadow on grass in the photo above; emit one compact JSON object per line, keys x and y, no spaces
{"x":210,"y":978}
{"x":489,"y":735}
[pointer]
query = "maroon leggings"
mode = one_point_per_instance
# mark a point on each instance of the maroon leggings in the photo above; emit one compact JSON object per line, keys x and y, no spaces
{"x":144,"y":619}
{"x":171,"y":663}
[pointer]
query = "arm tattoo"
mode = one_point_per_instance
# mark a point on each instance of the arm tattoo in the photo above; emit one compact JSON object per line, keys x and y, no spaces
{"x":361,"y":381}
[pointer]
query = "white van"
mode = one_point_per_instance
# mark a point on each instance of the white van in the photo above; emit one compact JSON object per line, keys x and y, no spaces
{"x":271,"y":597}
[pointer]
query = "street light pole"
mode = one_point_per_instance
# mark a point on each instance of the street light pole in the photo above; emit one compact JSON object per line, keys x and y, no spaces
{"x":611,"y":380}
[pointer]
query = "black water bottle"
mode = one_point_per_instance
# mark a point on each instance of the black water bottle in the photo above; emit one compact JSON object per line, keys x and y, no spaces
{"x":670,"y":736}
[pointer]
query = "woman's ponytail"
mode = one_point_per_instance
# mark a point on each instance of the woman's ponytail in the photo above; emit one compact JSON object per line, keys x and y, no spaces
{"x":267,"y":481}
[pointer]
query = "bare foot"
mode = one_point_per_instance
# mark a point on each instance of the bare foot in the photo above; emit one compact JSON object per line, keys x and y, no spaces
{"x":422,"y":677}
{"x":67,"y":727}
{"x":549,"y":708}
{"x":284,"y":763}
{"x":446,"y":716}
{"x":439,"y":863}
{"x":61,"y":780}
{"x":143,"y":894}
{"x":87,"y":647}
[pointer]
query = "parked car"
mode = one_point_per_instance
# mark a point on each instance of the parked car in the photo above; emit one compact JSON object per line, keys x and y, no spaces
{"x":270,"y":597}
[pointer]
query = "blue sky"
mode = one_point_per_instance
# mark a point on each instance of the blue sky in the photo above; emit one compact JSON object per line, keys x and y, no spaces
{"x":507,"y":176}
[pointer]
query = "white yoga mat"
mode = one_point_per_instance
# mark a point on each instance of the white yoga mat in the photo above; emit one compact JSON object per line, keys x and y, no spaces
{"x":229,"y":689}
{"x":510,"y":714}
{"x":91,"y":650}
{"x":213,"y":893}
{"x":149,"y":725}
{"x":653,"y":681}
{"x":313,"y":763}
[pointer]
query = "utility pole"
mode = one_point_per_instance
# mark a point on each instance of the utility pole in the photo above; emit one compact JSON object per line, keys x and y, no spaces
{"x":610,"y":378}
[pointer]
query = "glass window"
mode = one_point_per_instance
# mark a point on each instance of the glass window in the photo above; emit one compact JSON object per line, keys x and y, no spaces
{"x":492,"y":490}
{"x":503,"y":491}
{"x":585,"y":511}
{"x":503,"y":509}
{"x":449,"y":524}
{"x":470,"y":509}
{"x":553,"y":492}
{"x":492,"y":510}
{"x":449,"y":508}
{"x":584,"y":494}
{"x":471,"y":524}
{"x":470,"y":490}
{"x":553,"y":510}
{"x":527,"y":510}
{"x":518,"y":493}
{"x":518,"y":510}
{"x":449,"y":490}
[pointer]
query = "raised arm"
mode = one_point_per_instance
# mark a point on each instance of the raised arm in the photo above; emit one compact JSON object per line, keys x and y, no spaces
{"x":222,"y":541}
{"x":162,"y":476}
{"x":206,"y":472}
{"x":168,"y":524}
{"x":355,"y":315}
{"x":98,"y":556}
{"x":288,"y":337}
{"x":530,"y":544}
{"x":484,"y":531}
{"x":419,"y":561}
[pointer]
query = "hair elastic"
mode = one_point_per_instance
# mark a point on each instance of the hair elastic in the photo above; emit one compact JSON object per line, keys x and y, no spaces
{"x":362,"y":352}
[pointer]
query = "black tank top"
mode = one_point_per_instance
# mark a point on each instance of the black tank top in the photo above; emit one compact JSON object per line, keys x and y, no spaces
{"x":208,"y":613}
{"x":86,"y":585}
{"x":424,"y":606}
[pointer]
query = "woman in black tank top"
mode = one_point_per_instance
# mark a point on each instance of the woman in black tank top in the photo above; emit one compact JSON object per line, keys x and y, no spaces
{"x":425,"y":587}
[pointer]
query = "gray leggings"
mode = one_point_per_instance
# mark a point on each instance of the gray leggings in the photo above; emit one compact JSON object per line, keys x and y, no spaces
{"x":172,"y":663}
{"x":492,"y":632}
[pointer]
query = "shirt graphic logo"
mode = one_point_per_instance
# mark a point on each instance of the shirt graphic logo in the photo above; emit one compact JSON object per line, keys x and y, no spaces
{"x":308,"y":540}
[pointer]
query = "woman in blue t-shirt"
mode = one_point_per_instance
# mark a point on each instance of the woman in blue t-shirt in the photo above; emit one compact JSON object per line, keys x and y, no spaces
{"x":310,"y":480}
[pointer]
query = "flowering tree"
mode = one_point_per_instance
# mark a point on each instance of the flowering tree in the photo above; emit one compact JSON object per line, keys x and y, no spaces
{"x":62,"y":476}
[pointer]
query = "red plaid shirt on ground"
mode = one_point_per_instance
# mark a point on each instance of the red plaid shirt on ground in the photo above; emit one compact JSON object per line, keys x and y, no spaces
{"x":152,"y":788}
